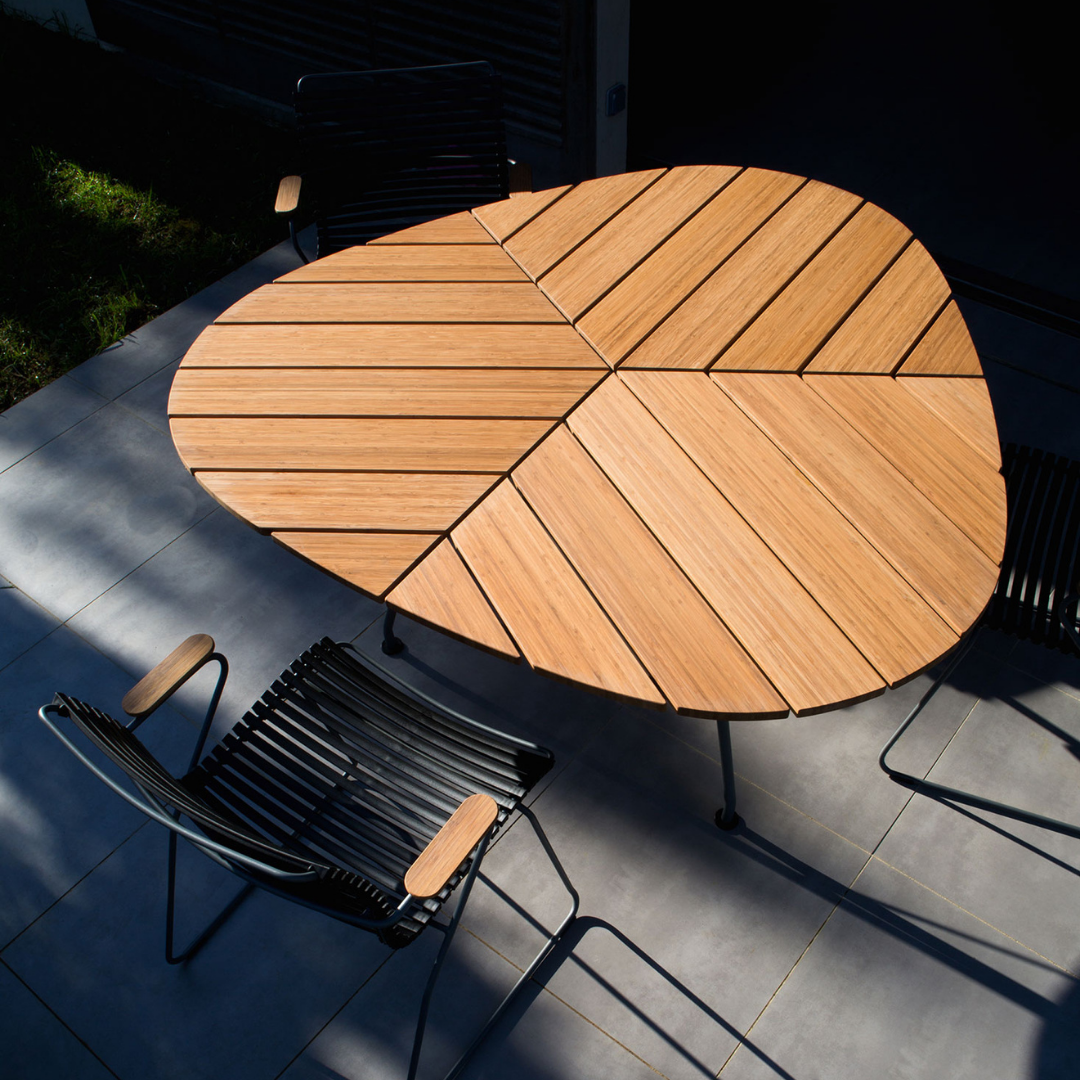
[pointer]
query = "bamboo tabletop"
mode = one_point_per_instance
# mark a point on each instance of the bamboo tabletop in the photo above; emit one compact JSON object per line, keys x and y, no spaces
{"x":707,"y":437}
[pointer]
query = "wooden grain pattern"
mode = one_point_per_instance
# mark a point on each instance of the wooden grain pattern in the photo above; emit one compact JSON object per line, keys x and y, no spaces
{"x":379,"y":445}
{"x":542,"y":602}
{"x":964,"y":404}
{"x":696,"y":662}
{"x":794,"y":326}
{"x":880,"y":332}
{"x":378,"y":392}
{"x":451,"y":845}
{"x":712,"y":317}
{"x":441,"y":592}
{"x":460,"y":228}
{"x":402,"y":502}
{"x":889,"y":622}
{"x":738,"y":575}
{"x":389,"y":344}
{"x":946,"y":349}
{"x":369,"y":561}
{"x":947,"y":568}
{"x":158,"y":685}
{"x":411,"y":262}
{"x":641,"y":300}
{"x":607,"y":256}
{"x":367,"y":302}
{"x":958,"y":480}
{"x":503,"y":219}
{"x":580,"y":212}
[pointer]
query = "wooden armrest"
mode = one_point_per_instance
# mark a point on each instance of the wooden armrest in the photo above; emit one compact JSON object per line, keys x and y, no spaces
{"x":450,"y":846}
{"x":288,"y":195}
{"x":168,"y":676}
{"x":520,"y":178}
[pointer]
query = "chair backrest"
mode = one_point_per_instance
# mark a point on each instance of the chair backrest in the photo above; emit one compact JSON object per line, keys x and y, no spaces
{"x":1041,"y":564}
{"x":387,"y":149}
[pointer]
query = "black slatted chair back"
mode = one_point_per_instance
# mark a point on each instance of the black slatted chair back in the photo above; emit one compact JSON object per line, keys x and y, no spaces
{"x":1041,"y":565}
{"x":384,"y":150}
{"x":335,"y":770}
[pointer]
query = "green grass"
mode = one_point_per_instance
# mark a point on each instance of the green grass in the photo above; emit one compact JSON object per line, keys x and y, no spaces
{"x":119,"y":198}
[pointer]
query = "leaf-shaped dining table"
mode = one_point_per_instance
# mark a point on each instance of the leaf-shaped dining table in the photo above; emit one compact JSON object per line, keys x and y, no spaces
{"x":707,"y":437}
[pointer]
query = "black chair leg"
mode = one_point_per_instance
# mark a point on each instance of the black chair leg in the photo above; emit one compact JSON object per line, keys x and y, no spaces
{"x":391,"y":644}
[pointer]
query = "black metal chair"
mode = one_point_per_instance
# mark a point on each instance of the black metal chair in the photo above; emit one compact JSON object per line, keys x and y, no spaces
{"x":341,"y":789}
{"x":1035,"y":598}
{"x":387,"y":149}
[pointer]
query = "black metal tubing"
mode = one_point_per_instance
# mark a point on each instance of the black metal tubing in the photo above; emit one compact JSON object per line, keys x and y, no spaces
{"x":391,"y":643}
{"x":726,"y":818}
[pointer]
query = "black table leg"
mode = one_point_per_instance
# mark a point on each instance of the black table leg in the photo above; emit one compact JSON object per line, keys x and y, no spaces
{"x":726,"y":818}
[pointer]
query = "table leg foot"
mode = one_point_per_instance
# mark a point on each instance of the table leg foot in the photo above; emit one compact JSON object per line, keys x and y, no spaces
{"x":391,"y":644}
{"x":726,"y":821}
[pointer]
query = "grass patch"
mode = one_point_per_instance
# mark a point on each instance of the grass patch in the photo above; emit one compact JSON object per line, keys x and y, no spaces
{"x":119,"y":198}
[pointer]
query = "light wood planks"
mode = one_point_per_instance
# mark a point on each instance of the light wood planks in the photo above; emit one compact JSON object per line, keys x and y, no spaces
{"x":543,"y":603}
{"x":440,"y":591}
{"x":642,"y":299}
{"x":947,"y":348}
{"x":696,"y":662}
{"x":960,"y":482}
{"x":884,"y":617}
{"x":460,"y":228}
{"x":947,"y":569}
{"x":964,"y":404}
{"x":421,"y":302}
{"x":554,"y":345}
{"x":503,"y":219}
{"x":451,"y":845}
{"x":378,"y":392}
{"x":710,"y":319}
{"x":737,"y":574}
{"x":411,"y":262}
{"x":793,"y":327}
{"x":369,"y":561}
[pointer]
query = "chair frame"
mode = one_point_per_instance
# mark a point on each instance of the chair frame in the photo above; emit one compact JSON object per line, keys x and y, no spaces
{"x":157,"y":687}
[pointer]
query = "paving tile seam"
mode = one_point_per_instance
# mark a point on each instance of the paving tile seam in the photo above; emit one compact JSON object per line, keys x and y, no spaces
{"x":988,"y":357}
{"x":44,"y":1004}
{"x":978,"y":918}
{"x":30,"y":453}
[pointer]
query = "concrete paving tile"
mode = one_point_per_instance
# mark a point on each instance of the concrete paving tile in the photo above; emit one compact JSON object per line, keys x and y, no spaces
{"x":244,"y":1006}
{"x":1033,"y":412}
{"x":262,"y":605}
{"x":30,"y":424}
{"x":1020,"y":746}
{"x":689,"y":930}
{"x":149,"y":400}
{"x":90,"y":506}
{"x":57,"y":820}
{"x":25,"y":623}
{"x":36,"y":1045}
{"x":1048,"y":665}
{"x":902,"y":984}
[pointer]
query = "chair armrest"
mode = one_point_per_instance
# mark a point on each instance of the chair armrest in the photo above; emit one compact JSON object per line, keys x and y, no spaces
{"x":520,"y":178}
{"x":288,"y":195}
{"x":450,"y":846}
{"x":168,"y":676}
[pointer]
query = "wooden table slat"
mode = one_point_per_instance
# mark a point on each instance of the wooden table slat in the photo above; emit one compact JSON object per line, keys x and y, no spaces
{"x":378,"y":445}
{"x":441,"y":592}
{"x":964,"y":404}
{"x":641,"y":300}
{"x":403,"y":502}
{"x":371,"y":562}
{"x":374,"y":302}
{"x":883,"y":615}
{"x":411,"y":262}
{"x":503,"y":219}
{"x":607,"y":256}
{"x":460,"y":228}
{"x":378,"y":392}
{"x":951,"y":573}
{"x":429,"y":345}
{"x":736,"y":572}
{"x":944,"y":467}
{"x":697,"y":663}
{"x":788,"y":333}
{"x":946,"y":348}
{"x":701,"y":328}
{"x":541,"y":600}
{"x":580,"y":212}
{"x":878,"y":334}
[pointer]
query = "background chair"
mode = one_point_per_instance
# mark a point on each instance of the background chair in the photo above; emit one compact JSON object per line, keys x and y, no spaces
{"x":1035,"y":598}
{"x":341,"y":789}
{"x":383,"y":150}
